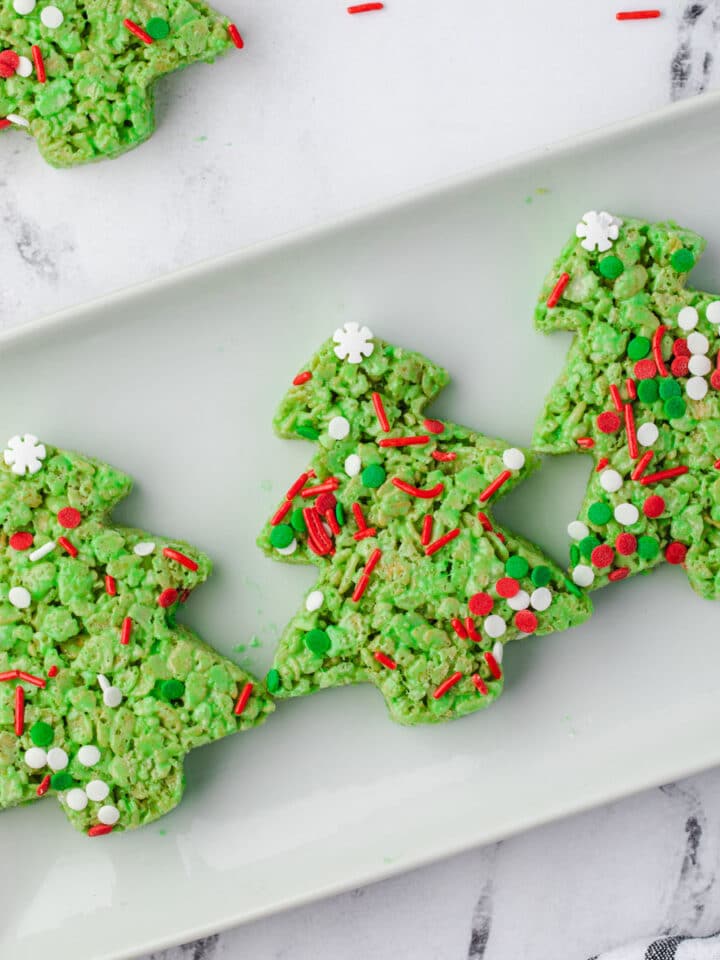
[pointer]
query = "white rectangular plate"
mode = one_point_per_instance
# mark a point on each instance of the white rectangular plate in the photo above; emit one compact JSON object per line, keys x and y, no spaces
{"x":176,"y":383}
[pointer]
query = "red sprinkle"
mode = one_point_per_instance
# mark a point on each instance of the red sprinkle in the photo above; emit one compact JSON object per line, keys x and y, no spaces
{"x":9,"y":675}
{"x":442,"y":456}
{"x":680,"y":348}
{"x":526,"y":621}
{"x":479,"y":683}
{"x":418,"y":441}
{"x":680,"y":366}
{"x":459,"y":628}
{"x":138,"y":31}
{"x":329,"y":515}
{"x":5,"y":123}
{"x":485,"y":521}
{"x":53,"y":671}
{"x":717,"y":464}
{"x":31,"y":678}
{"x":385,"y":660}
{"x":416,"y":492}
{"x":645,"y":369}
{"x":494,"y":486}
{"x":66,"y":545}
{"x":299,"y":484}
{"x":480,"y":604}
{"x":507,"y":587}
{"x":318,"y":538}
{"x":657,"y":350}
{"x":69,"y":518}
{"x":619,"y":574}
{"x":427,"y":529}
{"x":625,"y":544}
{"x":365,"y":7}
{"x":608,"y":422}
{"x":325,"y":502}
{"x":675,"y":552}
{"x":125,"y":631}
{"x":327,"y":486}
{"x":180,"y":558}
{"x":43,"y":786}
{"x":110,"y":585}
{"x":630,"y":428}
{"x":372,"y":562}
{"x":637,"y":15}
{"x":39,"y":63}
{"x":21,"y":541}
{"x":715,"y":379}
{"x":446,"y":685}
{"x":364,"y":580}
{"x":440,"y":543}
{"x":9,"y":62}
{"x":303,"y":377}
{"x":472,"y":630}
{"x":19,"y":711}
{"x":642,"y":465}
{"x":243,"y":699}
{"x":603,"y":556}
{"x":557,"y":290}
{"x":616,"y":398}
{"x":631,"y":388}
{"x":168,"y":597}
{"x":359,"y":518}
{"x":380,"y":412}
{"x":281,"y":513}
{"x":587,"y":443}
{"x":664,"y":475}
{"x":602,"y":463}
{"x":100,"y":830}
{"x":434,"y":426}
{"x":493,"y":664}
{"x":240,"y":43}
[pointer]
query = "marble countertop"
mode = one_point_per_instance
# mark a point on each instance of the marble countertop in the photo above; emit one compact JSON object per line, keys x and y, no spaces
{"x":322,"y":113}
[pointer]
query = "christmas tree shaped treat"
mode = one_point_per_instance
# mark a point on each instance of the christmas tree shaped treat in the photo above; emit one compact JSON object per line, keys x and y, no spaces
{"x":418,"y":589}
{"x":79,"y":76}
{"x":640,"y":393}
{"x":101,"y":693}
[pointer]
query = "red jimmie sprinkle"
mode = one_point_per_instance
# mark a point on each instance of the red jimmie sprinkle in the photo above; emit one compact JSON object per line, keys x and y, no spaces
{"x":664,"y":475}
{"x":110,"y":585}
{"x":480,"y":604}
{"x":365,"y":7}
{"x":39,"y":64}
{"x":180,"y":558}
{"x":380,"y":412}
{"x":442,"y":456}
{"x":168,"y":597}
{"x":631,"y":388}
{"x":364,"y":580}
{"x":332,"y":521}
{"x":717,"y":464}
{"x":642,"y":465}
{"x":302,"y":378}
{"x":9,"y":675}
{"x":242,"y":700}
{"x":21,"y":541}
{"x":459,"y":628}
{"x":299,"y":484}
{"x":637,"y":15}
{"x":67,"y":546}
{"x":615,"y":396}
{"x":69,"y":518}
{"x":427,"y":529}
{"x":327,"y":486}
{"x":657,"y":350}
{"x":125,"y":631}
{"x":434,"y":426}
{"x":602,"y":463}
{"x":418,"y":441}
{"x":100,"y":830}
{"x":587,"y":443}
{"x":485,"y":522}
{"x":359,"y":518}
{"x":5,"y":123}
{"x":630,"y":429}
{"x":53,"y":671}
{"x":31,"y":678}
{"x":479,"y":684}
{"x":493,"y":665}
{"x":619,"y":574}
{"x":446,"y":685}
{"x":239,"y":43}
{"x":472,"y":630}
{"x":436,"y":545}
{"x":385,"y":660}
{"x":318,"y":538}
{"x":281,"y":513}
{"x":416,"y":492}
{"x":714,"y":379}
{"x":557,"y":290}
{"x":526,"y":621}
{"x":19,"y":711}
{"x":493,"y":487}
{"x":138,"y":31}
{"x":676,"y":552}
{"x":43,"y":786}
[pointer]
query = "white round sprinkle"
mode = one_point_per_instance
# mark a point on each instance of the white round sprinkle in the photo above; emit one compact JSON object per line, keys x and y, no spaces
{"x":97,"y":790}
{"x":112,"y":696}
{"x":698,"y":343}
{"x":514,"y":459}
{"x":494,"y":626}
{"x":23,"y":7}
{"x":498,"y":651}
{"x":353,"y":465}
{"x":699,"y":365}
{"x":339,"y":428}
{"x":610,"y":480}
{"x":88,"y":755}
{"x":577,"y":530}
{"x":57,"y":759}
{"x":647,"y":434}
{"x":24,"y":68}
{"x":688,"y":318}
{"x":108,"y":815}
{"x":314,"y":600}
{"x":286,"y":551}
{"x":541,"y":598}
{"x":144,"y":549}
{"x":19,"y":597}
{"x":583,"y":575}
{"x":696,"y":388}
{"x":51,"y":17}
{"x":521,"y":601}
{"x":712,"y":312}
{"x":35,"y":758}
{"x":76,"y":799}
{"x":626,"y":514}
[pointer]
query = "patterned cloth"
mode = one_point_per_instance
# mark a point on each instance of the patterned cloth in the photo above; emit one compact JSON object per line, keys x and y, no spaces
{"x":668,"y":948}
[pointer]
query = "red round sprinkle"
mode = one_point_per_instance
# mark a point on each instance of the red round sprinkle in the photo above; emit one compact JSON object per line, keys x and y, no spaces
{"x":602,"y":556}
{"x":675,"y":552}
{"x":526,"y":621}
{"x":69,"y":518}
{"x":325,"y":502}
{"x":625,"y":544}
{"x":480,"y":604}
{"x":507,"y":587}
{"x":21,"y":541}
{"x":433,"y":426}
{"x":680,"y":348}
{"x":608,"y":422}
{"x":715,"y":379}
{"x":653,"y":506}
{"x":680,"y":366}
{"x":619,"y":574}
{"x":168,"y":597}
{"x":9,"y":62}
{"x":645,"y":369}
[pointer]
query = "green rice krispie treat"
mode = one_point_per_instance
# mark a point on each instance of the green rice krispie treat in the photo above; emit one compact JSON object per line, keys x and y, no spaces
{"x":79,"y":76}
{"x":418,"y":589}
{"x":640,"y":392}
{"x":101,"y":694}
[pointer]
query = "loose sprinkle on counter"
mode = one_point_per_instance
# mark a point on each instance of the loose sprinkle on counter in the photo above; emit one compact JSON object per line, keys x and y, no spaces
{"x":365,"y":7}
{"x":240,"y":43}
{"x":637,"y":15}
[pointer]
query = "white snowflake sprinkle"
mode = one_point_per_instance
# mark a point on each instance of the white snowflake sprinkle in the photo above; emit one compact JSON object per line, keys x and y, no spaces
{"x":353,"y":342}
{"x":24,"y":454}
{"x":598,"y":230}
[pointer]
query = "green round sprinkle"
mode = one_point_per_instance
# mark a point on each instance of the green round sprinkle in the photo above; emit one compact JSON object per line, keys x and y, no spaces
{"x":541,"y":576}
{"x":647,"y":391}
{"x":297,"y":521}
{"x":373,"y":476}
{"x":172,"y":690}
{"x":674,"y":408}
{"x":668,"y":388}
{"x":587,"y":545}
{"x":317,"y":642}
{"x":339,"y":513}
{"x":638,"y":348}
{"x":272,"y":681}
{"x":61,"y":781}
{"x":307,"y":431}
{"x":516,"y":567}
{"x":574,"y":555}
{"x":599,"y":513}
{"x":157,"y":28}
{"x":648,"y":547}
{"x":611,"y":267}
{"x":41,"y":734}
{"x":282,"y":535}
{"x":682,"y":260}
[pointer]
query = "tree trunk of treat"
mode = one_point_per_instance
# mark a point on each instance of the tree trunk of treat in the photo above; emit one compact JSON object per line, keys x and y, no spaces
{"x":640,"y":393}
{"x":418,"y":589}
{"x":101,"y":694}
